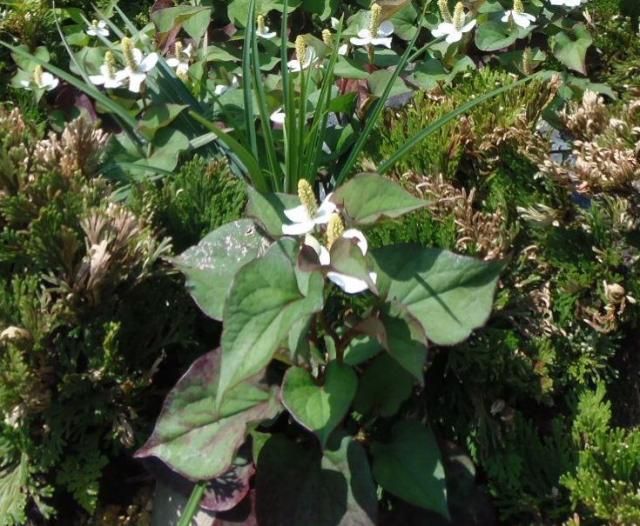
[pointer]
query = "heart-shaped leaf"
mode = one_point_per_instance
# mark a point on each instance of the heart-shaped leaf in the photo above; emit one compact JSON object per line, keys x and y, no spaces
{"x":263,"y":304}
{"x":210,"y":265}
{"x":319,"y":408}
{"x":449,"y":295}
{"x":369,"y":196}
{"x":297,"y":485}
{"x":194,"y":438}
{"x":410,"y":467}
{"x":571,"y":48}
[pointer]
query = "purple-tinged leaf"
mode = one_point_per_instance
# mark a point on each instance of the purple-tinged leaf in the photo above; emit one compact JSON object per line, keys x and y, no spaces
{"x":296,"y":484}
{"x":191,"y":436}
{"x":227,"y":490}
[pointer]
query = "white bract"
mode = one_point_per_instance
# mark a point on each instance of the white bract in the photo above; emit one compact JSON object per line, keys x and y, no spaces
{"x":518,"y":15}
{"x":98,"y":29}
{"x":348,"y":284}
{"x":223,"y":88}
{"x":180,"y":60}
{"x":378,"y":33}
{"x":305,"y":56}
{"x":108,"y":76}
{"x":263,"y":30}
{"x":41,"y":80}
{"x":566,"y":3}
{"x":455,"y":29}
{"x":304,"y":221}
{"x":137,"y":65}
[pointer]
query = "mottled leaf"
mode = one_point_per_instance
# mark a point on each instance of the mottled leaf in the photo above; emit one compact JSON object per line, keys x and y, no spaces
{"x":193,"y":437}
{"x":409,"y":467}
{"x":211,"y":265}
{"x":319,"y":408}
{"x":296,"y":485}
{"x":448,"y":294}
{"x":368,"y":197}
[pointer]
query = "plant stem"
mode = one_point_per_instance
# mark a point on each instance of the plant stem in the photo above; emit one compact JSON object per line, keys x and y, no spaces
{"x":192,"y":505}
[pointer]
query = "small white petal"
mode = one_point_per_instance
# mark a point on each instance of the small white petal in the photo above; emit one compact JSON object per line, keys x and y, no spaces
{"x":444,"y":28}
{"x":278,"y":116}
{"x":149,"y":62}
{"x":454,"y":37}
{"x":386,"y":42}
{"x":469,"y":26}
{"x":348,"y":284}
{"x":360,"y":41}
{"x":385,"y":29}
{"x":327,"y":207}
{"x":172,"y":62}
{"x":298,"y":214}
{"x":506,"y":16}
{"x":354,"y":233}
{"x":521,"y":20}
{"x":135,"y":81}
{"x":365,"y":33}
{"x":182,"y":69}
{"x":294,"y":66}
{"x":334,"y":23}
{"x":98,"y":80}
{"x":25,"y":84}
{"x":112,"y":83}
{"x":343,"y":49}
{"x":298,"y":229}
{"x":137,"y":55}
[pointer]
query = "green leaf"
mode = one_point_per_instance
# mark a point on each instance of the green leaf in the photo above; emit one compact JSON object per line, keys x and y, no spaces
{"x":193,"y":437}
{"x":369,"y":196}
{"x":159,"y":116}
{"x":448,"y":294}
{"x":264,"y":302}
{"x":403,"y":338}
{"x":571,"y":48}
{"x":268,"y":209}
{"x":384,"y":386}
{"x":492,"y":36}
{"x":378,"y":81}
{"x":295,"y":485}
{"x":347,"y":258}
{"x":211,"y":265}
{"x":319,"y":408}
{"x":410,"y":467}
{"x":194,"y":20}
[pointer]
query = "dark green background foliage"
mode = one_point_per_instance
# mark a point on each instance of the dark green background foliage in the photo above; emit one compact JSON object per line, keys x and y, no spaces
{"x":539,"y":399}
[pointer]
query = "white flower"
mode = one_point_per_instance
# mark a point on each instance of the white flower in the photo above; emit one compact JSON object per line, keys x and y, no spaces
{"x":223,"y":88}
{"x":343,"y":49}
{"x":566,"y":3}
{"x":378,"y":33}
{"x":518,"y":15}
{"x":98,"y":29}
{"x":137,"y":65}
{"x":303,"y":222}
{"x":263,"y":30}
{"x":41,"y":80}
{"x":456,"y":28}
{"x":348,"y":284}
{"x":108,"y":76}
{"x":520,"y":19}
{"x":180,"y":60}
{"x":278,"y":116}
{"x":310,"y":56}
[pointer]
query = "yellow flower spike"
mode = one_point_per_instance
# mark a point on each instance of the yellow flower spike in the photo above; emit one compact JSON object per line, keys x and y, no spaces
{"x":327,"y":38}
{"x":335,"y":229}
{"x":376,"y":19}
{"x":518,"y":7}
{"x":443,"y":6}
{"x":527,"y":61}
{"x":37,"y":75}
{"x":301,"y":49}
{"x":261,"y":24}
{"x":177,"y":49}
{"x":458,"y":16}
{"x":307,"y":197}
{"x":94,"y":23}
{"x":110,"y":62}
{"x":127,"y":53}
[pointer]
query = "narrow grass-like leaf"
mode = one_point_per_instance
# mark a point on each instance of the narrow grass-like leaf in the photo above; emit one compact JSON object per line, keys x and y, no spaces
{"x":247,"y":78}
{"x":252,"y":169}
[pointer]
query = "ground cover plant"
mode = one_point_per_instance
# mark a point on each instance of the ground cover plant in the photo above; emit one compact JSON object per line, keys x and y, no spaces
{"x":409,"y":236}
